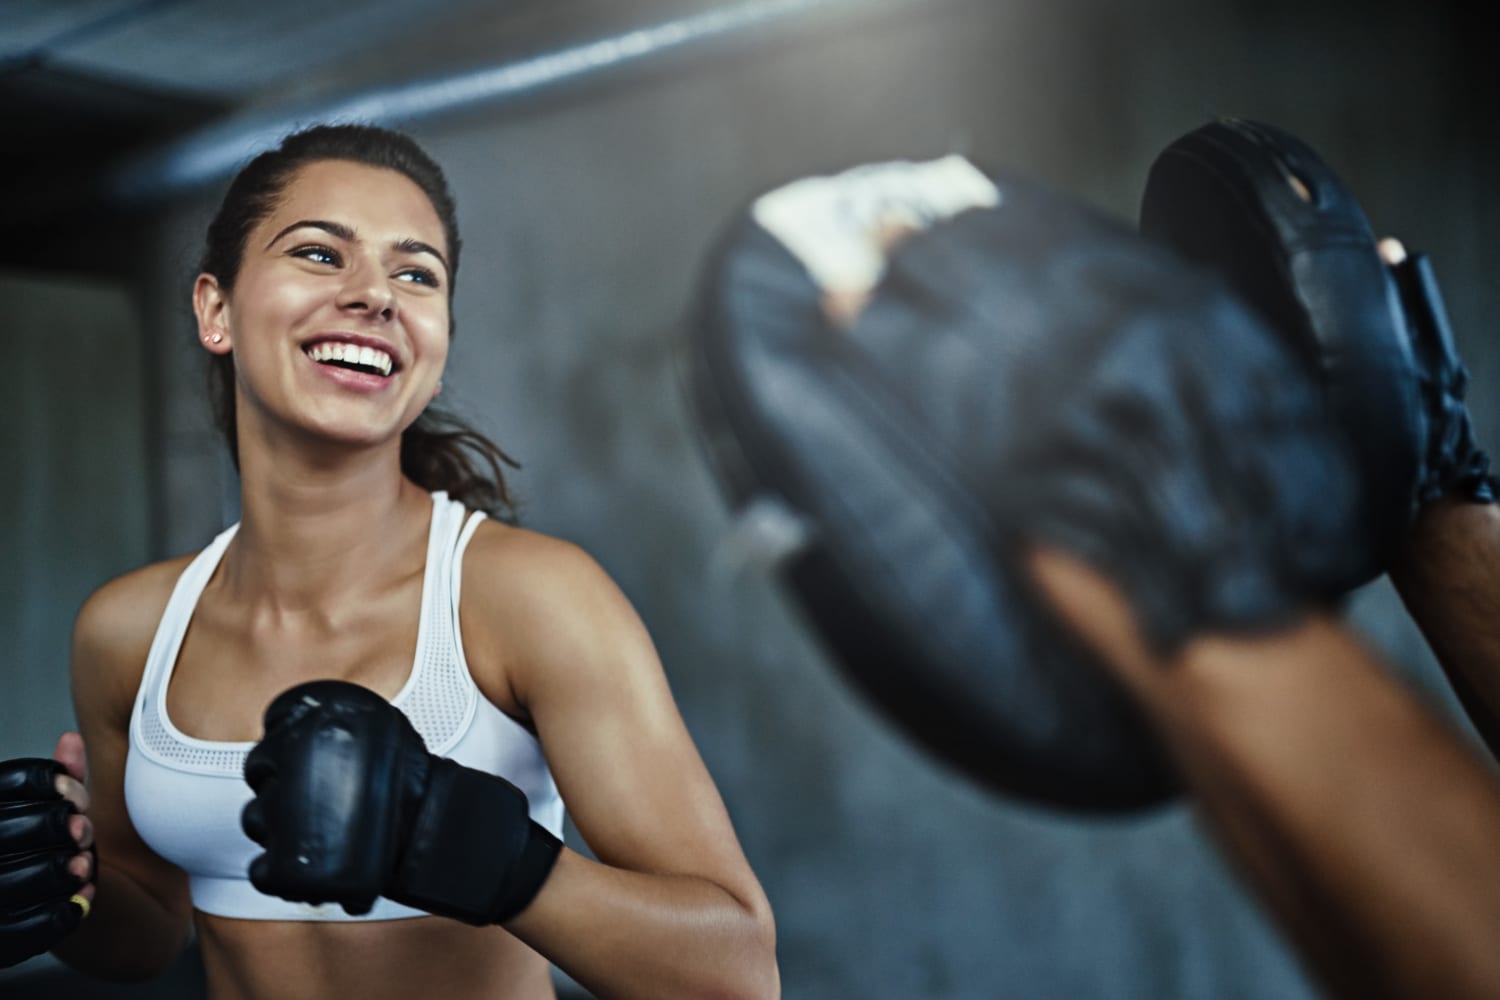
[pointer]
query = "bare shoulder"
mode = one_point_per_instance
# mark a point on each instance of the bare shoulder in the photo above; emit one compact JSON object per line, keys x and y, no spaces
{"x":114,"y":628}
{"x":512,"y":564}
{"x":542,"y":607}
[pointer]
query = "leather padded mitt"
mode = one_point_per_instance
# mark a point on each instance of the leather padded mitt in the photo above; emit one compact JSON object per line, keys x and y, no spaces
{"x":928,"y":444}
{"x":1260,"y":207}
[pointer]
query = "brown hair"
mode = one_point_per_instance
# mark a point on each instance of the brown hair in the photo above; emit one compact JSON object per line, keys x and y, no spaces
{"x":438,"y":451}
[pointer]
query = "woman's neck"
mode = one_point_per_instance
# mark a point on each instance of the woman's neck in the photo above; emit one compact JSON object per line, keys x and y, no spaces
{"x":316,"y":531}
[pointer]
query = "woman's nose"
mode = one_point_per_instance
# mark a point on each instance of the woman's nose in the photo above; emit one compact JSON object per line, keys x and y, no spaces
{"x":367,"y":289}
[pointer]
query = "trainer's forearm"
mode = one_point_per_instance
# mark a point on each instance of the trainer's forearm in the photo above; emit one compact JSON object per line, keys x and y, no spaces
{"x":128,"y":936}
{"x":1448,"y":574}
{"x":1366,"y":827}
{"x":625,"y":934}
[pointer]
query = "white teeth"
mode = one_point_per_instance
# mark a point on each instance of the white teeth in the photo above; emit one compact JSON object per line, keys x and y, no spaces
{"x":352,"y":354}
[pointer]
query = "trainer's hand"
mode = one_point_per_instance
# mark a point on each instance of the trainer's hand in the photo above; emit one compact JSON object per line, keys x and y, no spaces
{"x":46,"y":860}
{"x":349,"y":806}
{"x":844,"y":228}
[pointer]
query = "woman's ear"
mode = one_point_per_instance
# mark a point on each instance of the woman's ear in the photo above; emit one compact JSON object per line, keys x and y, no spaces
{"x":211,"y":306}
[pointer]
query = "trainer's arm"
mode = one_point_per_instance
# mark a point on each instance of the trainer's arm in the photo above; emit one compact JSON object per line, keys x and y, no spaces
{"x":1366,"y":827}
{"x":1448,"y":575}
{"x":671,"y":908}
{"x":141,"y":914}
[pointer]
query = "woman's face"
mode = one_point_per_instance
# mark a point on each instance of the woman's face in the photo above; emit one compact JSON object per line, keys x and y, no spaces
{"x":339,"y":316}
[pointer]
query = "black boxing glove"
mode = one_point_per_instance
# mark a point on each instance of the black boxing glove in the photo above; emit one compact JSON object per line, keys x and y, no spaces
{"x":350,"y":805}
{"x":36,"y":909}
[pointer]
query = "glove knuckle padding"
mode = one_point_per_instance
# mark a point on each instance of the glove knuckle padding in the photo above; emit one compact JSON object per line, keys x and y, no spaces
{"x":260,"y":762}
{"x":324,"y":809}
{"x":253,"y":818}
{"x":27,"y":779}
{"x":34,"y":876}
{"x":28,"y":825}
{"x":359,"y":809}
{"x":28,"y":932}
{"x":296,"y":703}
{"x":35,"y":848}
{"x":1027,"y":373}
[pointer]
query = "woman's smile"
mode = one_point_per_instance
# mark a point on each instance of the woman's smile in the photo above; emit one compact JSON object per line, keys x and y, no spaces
{"x":350,"y":271}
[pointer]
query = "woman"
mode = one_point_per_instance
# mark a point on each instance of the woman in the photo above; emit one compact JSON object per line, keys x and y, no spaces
{"x":325,"y":301}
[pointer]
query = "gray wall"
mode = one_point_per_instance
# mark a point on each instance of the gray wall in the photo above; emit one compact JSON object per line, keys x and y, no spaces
{"x":585,"y":220}
{"x":73,"y":502}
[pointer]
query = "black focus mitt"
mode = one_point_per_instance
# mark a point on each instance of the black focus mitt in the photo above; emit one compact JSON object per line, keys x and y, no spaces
{"x":1259,"y":206}
{"x":1020,"y":371}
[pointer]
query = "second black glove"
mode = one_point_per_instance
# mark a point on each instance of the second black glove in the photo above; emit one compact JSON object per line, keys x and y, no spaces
{"x":37,"y":908}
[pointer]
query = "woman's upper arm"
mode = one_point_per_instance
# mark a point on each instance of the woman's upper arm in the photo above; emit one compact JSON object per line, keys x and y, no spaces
{"x":111,"y":637}
{"x":575,"y":656}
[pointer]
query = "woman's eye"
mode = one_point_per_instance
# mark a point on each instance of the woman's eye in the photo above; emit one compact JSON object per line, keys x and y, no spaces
{"x":316,"y":254}
{"x":420,"y":276}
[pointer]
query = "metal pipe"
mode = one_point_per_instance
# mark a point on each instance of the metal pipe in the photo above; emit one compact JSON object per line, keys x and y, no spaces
{"x":218,"y":150}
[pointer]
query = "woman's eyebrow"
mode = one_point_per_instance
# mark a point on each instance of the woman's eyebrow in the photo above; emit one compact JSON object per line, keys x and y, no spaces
{"x":343,"y":232}
{"x":338,"y":229}
{"x":417,"y":246}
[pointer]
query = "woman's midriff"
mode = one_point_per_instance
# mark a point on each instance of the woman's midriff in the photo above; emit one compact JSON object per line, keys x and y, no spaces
{"x":420,"y":957}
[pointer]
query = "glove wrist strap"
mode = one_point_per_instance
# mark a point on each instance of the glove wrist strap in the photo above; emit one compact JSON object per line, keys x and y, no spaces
{"x":474,"y":854}
{"x":1454,"y":465}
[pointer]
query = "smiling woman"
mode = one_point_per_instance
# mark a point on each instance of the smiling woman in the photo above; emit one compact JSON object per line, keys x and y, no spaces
{"x":343,"y":252}
{"x":438,"y":451}
{"x":301,"y":742}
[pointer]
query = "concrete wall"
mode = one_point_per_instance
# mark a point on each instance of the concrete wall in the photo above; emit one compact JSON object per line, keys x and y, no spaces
{"x":73,"y":506}
{"x":585,"y":221}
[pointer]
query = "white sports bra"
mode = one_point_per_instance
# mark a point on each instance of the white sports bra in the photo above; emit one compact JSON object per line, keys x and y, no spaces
{"x":185,"y":795}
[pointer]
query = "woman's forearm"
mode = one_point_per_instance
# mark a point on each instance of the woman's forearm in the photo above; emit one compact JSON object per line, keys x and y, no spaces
{"x":627,"y":934}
